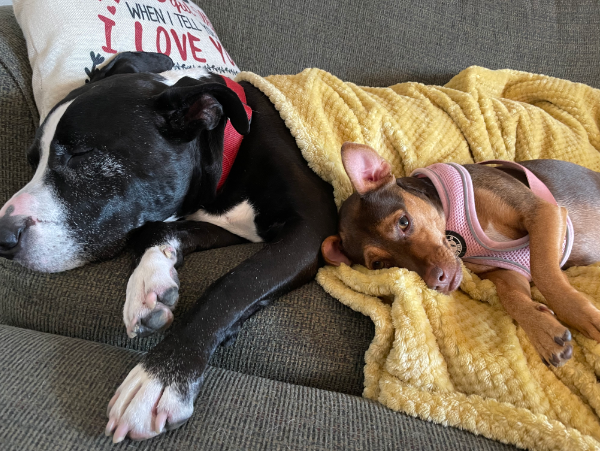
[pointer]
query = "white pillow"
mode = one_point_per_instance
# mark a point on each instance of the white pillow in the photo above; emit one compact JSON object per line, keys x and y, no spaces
{"x":67,"y":39}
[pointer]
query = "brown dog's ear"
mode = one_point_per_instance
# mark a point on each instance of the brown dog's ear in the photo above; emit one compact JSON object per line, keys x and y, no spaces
{"x":333,"y":252}
{"x":366,"y":169}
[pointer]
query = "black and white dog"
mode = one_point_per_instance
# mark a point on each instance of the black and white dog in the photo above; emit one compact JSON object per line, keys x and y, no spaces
{"x":136,"y":155}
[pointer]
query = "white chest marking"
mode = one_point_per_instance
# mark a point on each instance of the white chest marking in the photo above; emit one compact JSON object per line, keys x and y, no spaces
{"x":239,"y":221}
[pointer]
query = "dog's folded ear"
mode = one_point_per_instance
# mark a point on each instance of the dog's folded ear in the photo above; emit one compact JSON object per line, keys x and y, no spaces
{"x":333,"y":252}
{"x":190,"y":109}
{"x":133,"y":62}
{"x":366,"y":169}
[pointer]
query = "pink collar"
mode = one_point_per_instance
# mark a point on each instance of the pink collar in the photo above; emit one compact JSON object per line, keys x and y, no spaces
{"x":232,"y":139}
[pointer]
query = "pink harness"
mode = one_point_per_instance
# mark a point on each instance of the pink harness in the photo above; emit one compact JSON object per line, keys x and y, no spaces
{"x":455,"y":188}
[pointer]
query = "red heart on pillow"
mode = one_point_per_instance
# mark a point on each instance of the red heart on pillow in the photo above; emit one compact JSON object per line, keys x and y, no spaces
{"x":111,"y":9}
{"x":118,"y":1}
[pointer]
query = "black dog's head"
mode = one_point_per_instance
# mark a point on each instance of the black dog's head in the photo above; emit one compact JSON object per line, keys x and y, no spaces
{"x":129,"y":147}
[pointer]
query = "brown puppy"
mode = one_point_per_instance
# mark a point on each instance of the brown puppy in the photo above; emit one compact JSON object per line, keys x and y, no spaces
{"x":391,"y":222}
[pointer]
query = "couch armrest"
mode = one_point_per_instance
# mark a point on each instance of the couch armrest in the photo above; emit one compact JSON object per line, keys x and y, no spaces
{"x":18,"y":113}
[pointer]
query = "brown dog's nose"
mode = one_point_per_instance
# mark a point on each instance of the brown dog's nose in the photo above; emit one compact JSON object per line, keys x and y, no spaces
{"x":444,"y":279}
{"x":436,"y":277}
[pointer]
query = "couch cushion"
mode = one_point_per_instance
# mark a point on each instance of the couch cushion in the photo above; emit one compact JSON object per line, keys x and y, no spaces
{"x":18,"y":115}
{"x":55,"y":391}
{"x":305,"y":337}
{"x":389,"y":41}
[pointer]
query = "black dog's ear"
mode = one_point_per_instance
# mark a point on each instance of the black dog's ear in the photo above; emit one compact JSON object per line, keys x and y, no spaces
{"x":134,"y":62}
{"x":422,"y":187}
{"x":190,"y":109}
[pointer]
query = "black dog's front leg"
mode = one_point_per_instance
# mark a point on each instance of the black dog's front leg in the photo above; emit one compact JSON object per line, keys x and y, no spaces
{"x":158,"y":394}
{"x":153,"y":288}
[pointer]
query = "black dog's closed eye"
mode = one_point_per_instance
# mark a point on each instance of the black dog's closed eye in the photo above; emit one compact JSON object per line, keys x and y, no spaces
{"x":71,"y":156}
{"x":74,"y":159}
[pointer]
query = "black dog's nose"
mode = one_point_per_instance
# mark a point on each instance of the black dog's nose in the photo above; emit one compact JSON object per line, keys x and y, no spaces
{"x":11,"y":232}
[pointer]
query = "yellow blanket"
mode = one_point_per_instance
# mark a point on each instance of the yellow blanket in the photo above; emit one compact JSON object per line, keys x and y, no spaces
{"x":457,"y":360}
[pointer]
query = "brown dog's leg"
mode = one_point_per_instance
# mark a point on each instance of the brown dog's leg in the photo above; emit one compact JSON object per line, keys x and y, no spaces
{"x":549,"y":337}
{"x":546,"y":225}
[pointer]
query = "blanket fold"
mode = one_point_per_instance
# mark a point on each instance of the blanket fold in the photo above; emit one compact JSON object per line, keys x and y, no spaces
{"x":457,"y":360}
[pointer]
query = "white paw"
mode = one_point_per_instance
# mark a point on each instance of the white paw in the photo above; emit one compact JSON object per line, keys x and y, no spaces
{"x":143,"y":407}
{"x":152,"y":291}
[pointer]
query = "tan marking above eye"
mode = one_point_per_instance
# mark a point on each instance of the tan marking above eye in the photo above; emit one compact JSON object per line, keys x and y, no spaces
{"x":374,"y":254}
{"x":390,"y":227}
{"x":424,"y":214}
{"x":426,"y":235}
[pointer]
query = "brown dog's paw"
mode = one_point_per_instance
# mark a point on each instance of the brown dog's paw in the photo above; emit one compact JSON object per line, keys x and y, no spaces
{"x":563,"y":352}
{"x":549,"y":337}
{"x":587,"y":321}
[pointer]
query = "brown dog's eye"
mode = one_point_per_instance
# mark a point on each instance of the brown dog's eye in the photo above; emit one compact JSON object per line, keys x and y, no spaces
{"x":377,"y":265}
{"x":403,"y":222}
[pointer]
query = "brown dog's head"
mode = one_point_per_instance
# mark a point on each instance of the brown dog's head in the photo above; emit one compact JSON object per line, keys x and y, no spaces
{"x":389,"y":222}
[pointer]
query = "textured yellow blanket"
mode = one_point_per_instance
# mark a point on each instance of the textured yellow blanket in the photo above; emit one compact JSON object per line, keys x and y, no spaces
{"x":456,"y":360}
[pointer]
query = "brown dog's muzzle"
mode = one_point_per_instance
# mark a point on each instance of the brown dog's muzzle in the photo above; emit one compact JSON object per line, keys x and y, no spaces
{"x":444,"y":277}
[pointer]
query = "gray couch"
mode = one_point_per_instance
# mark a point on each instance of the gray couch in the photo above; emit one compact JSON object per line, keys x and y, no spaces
{"x":293,"y":379}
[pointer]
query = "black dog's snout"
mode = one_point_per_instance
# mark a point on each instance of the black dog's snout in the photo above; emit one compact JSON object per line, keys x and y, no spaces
{"x":12,"y":229}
